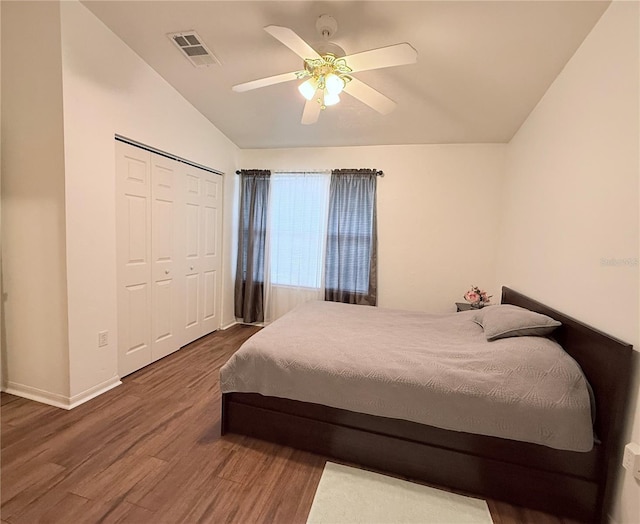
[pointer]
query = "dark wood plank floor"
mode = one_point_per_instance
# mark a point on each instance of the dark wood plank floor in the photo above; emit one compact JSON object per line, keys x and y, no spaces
{"x":150,"y":451}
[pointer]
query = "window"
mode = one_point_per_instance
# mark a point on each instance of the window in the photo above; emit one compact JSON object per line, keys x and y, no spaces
{"x":297,"y":228}
{"x":305,"y":236}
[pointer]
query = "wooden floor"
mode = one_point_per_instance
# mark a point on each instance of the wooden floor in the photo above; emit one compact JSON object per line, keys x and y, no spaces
{"x":150,"y":451}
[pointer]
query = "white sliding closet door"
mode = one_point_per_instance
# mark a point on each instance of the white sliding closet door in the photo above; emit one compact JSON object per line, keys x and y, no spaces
{"x":168,"y":255}
{"x":133,"y":225}
{"x":167,"y":190}
{"x":202,"y":252}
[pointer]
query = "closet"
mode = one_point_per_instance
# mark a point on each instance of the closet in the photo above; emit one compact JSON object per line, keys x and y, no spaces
{"x":168,"y":236}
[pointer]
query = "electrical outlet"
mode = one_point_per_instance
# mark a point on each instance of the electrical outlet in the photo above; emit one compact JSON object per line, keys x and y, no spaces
{"x":103,"y":338}
{"x":631,"y":458}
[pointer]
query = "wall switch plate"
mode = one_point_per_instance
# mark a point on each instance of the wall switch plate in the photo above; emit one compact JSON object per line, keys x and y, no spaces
{"x":631,"y":459}
{"x":103,"y":338}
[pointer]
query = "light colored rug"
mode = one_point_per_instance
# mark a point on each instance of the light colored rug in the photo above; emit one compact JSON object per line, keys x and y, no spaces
{"x":353,"y":496}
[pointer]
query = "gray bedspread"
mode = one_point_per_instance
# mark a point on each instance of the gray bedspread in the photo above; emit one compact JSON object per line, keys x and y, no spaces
{"x":437,"y":370}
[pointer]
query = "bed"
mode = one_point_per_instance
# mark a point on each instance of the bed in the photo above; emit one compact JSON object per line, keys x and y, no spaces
{"x":577,"y":484}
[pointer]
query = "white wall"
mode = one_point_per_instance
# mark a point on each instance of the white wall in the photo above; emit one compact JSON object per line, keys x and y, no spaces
{"x":438,"y":209}
{"x":35,"y":358}
{"x":108,"y":89}
{"x":570,"y":223}
{"x":69,"y":85}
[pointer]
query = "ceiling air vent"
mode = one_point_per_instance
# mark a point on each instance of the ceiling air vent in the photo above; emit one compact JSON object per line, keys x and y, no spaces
{"x":191,"y":45}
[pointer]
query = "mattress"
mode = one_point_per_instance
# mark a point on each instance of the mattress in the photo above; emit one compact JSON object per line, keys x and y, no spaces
{"x":437,"y":370}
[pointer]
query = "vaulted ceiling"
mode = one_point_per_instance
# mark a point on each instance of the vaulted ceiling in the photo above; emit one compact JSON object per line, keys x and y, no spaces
{"x":482,"y":66}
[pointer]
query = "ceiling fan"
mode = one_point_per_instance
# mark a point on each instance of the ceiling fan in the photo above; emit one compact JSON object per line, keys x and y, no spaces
{"x":328,"y":72}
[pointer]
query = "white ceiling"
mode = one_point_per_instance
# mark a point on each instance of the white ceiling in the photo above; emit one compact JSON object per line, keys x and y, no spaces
{"x":482,"y":66}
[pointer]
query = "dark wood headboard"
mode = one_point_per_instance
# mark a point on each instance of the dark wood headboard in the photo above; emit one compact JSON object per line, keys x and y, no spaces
{"x":608,"y":365}
{"x":605,"y":361}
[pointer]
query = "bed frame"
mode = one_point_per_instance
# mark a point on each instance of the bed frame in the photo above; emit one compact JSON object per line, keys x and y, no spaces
{"x":567,"y":483}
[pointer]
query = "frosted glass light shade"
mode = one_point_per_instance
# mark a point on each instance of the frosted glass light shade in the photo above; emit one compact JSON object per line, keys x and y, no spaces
{"x":331,"y":99}
{"x":333,"y":84}
{"x":308,"y":89}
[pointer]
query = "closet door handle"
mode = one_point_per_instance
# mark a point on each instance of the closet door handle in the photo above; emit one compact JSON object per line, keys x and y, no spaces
{"x":191,"y":268}
{"x":166,"y":271}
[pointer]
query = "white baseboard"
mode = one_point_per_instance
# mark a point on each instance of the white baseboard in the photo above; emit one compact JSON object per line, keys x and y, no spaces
{"x":93,"y":392}
{"x":223,"y":328}
{"x":57,"y":400}
{"x":39,"y":395}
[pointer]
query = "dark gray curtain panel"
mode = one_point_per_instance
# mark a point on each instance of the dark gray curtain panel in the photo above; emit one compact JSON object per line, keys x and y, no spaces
{"x":249,"y":285}
{"x":351,"y":258}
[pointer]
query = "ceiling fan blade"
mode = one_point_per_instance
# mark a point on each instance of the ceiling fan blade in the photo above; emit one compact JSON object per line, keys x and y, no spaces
{"x":370,"y":96}
{"x":311,"y":111}
{"x":393,"y":55}
{"x":292,"y":41}
{"x":264,"y":82}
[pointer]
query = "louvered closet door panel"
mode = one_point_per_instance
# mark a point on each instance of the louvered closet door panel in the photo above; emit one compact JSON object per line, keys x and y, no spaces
{"x":133,"y":223}
{"x":166,"y":246}
{"x":202,"y":252}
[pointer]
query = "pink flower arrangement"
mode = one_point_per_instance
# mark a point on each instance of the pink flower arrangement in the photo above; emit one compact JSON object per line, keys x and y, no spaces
{"x":476,"y":296}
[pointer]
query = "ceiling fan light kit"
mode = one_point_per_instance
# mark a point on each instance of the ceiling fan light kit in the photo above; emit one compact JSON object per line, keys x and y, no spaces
{"x":334,"y":84}
{"x":330,"y":99}
{"x":329,"y":74}
{"x":308,"y":88}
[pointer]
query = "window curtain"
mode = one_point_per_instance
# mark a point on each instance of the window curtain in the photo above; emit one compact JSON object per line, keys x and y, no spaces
{"x":296,"y":233}
{"x":250,"y":269}
{"x":351,"y":251}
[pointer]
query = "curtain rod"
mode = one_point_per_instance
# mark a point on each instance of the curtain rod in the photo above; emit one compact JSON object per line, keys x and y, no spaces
{"x":377,"y":173}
